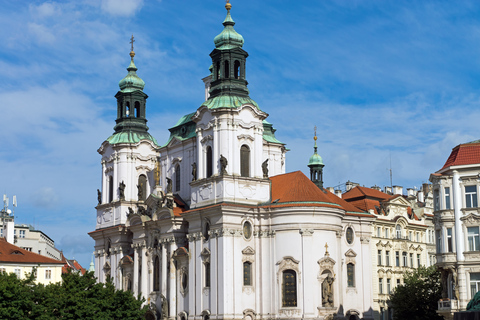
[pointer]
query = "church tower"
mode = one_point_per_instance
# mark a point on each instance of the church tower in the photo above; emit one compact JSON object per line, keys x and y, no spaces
{"x":316,"y":165}
{"x":128,"y":156}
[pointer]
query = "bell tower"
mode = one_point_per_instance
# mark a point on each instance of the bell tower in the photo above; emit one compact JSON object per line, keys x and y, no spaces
{"x":316,"y":165}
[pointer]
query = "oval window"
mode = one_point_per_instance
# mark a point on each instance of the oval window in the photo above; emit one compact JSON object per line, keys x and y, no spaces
{"x":247,"y":230}
{"x":349,"y":235}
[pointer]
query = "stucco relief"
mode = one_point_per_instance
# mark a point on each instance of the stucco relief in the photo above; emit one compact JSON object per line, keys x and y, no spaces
{"x":350,"y":256}
{"x":288,"y":263}
{"x":107,"y":215}
{"x":229,"y":189}
{"x":325,"y":264}
{"x":247,"y":191}
{"x":205,"y":191}
{"x":471,"y":220}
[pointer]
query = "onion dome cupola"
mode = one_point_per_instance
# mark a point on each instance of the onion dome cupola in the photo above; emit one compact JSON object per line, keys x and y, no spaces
{"x":316,"y":165}
{"x":228,"y":61}
{"x":131,"y":123}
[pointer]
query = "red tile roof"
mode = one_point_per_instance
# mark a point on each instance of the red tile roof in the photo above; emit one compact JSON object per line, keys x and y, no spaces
{"x":14,"y":254}
{"x":363,"y":192}
{"x":463,"y":154}
{"x":295,"y":187}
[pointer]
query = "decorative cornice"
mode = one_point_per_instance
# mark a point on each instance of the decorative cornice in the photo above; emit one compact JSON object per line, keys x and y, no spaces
{"x":306,"y":232}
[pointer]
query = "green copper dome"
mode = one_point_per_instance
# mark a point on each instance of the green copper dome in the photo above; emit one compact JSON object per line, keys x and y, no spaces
{"x":228,"y":38}
{"x":132,"y":81}
{"x":315,"y":159}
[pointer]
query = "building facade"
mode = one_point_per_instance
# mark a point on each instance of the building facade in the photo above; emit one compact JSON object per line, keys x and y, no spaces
{"x":457,"y":224}
{"x":402,"y":237}
{"x":209,"y":225}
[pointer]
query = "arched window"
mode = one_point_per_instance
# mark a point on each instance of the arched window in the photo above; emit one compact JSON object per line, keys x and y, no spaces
{"x":247,"y":273}
{"x":245,"y":161}
{"x":137,"y":109}
{"x":207,"y":274}
{"x":218,"y":70}
{"x":110,"y":188}
{"x":351,"y":275}
{"x":209,"y":162}
{"x":398,"y":229}
{"x":236,"y":70}
{"x":127,"y":109}
{"x":142,"y":187}
{"x":289,"y":289}
{"x":177,"y":177}
{"x":156,"y":274}
{"x":227,"y":70}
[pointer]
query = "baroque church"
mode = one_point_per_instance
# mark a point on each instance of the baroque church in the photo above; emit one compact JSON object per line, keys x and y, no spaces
{"x":209,"y":225}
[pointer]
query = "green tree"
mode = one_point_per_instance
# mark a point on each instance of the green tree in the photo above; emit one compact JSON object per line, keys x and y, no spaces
{"x":76,"y":297}
{"x":417,"y":298}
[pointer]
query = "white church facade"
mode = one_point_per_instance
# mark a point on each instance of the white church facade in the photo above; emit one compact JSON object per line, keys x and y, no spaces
{"x":209,"y":225}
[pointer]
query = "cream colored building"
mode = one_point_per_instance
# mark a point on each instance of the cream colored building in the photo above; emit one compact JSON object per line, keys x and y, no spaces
{"x":22,"y":262}
{"x":402,"y":237}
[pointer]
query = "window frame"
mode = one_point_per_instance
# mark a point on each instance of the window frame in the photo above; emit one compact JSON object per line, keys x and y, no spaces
{"x":471,"y":200}
{"x":286,"y":295}
{"x":473,"y":238}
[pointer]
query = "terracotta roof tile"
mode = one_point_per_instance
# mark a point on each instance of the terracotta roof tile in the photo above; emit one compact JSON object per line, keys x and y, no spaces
{"x":464,"y":154}
{"x":361,"y":192}
{"x":14,"y":254}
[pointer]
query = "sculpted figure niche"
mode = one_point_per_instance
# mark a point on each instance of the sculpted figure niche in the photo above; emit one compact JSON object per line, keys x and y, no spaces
{"x":265,"y":168}
{"x":327,"y":291}
{"x":223,"y":164}
{"x":121,"y":190}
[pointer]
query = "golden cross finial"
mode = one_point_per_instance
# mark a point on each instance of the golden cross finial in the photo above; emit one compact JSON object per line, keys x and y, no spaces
{"x":132,"y":41}
{"x":326,"y":249}
{"x":315,"y":137}
{"x":228,"y":5}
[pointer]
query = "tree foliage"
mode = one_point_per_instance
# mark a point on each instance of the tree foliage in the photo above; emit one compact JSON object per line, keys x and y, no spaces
{"x":417,"y":298}
{"x":76,"y":297}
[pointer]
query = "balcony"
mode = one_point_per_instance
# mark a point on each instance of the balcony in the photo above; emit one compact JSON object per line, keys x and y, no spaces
{"x":447,"y":305}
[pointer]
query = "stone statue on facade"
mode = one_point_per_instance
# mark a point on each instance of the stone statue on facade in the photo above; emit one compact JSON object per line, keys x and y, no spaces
{"x":265,"y":168}
{"x":157,"y":172}
{"x":164,"y":308}
{"x":223,"y":164}
{"x":99,"y":196}
{"x":140,"y":191}
{"x":169,"y":186}
{"x":121,"y":190}
{"x":141,"y":211}
{"x":130,"y":212}
{"x":194,"y":171}
{"x":327,"y":292}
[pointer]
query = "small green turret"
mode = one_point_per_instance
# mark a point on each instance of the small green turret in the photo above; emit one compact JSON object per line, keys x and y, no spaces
{"x":316,"y":165}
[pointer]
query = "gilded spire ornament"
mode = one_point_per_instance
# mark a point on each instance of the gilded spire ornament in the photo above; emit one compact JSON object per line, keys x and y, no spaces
{"x":228,"y":5}
{"x":132,"y":53}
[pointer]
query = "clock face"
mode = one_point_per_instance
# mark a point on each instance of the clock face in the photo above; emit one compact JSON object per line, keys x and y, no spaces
{"x":349,"y":235}
{"x":247,"y":230}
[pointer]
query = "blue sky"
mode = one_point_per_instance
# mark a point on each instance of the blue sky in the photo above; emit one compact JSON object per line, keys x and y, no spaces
{"x":380,"y":80}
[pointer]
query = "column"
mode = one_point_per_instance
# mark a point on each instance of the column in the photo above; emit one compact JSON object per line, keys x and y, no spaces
{"x":457,"y":205}
{"x":308,"y":287}
{"x":135,"y":271}
{"x":216,"y":147}
{"x":173,"y":281}
{"x":115,"y":178}
{"x":258,"y":154}
{"x":200,"y":164}
{"x":104,"y":184}
{"x":163,"y":275}
{"x":145,"y":288}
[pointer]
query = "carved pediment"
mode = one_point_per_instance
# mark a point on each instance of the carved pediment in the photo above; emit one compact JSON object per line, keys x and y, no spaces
{"x":205,"y":252}
{"x":206,"y":138}
{"x":248,"y":251}
{"x":245,"y":137}
{"x":471,"y":219}
{"x":350,"y":254}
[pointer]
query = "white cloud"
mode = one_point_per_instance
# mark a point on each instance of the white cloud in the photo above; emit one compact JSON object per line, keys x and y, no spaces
{"x":46,"y":9}
{"x":45,"y":197}
{"x":41,"y":33}
{"x":122,"y":7}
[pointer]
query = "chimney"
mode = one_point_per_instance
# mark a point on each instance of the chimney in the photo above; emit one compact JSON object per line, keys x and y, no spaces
{"x":397,"y":190}
{"x":8,"y":229}
{"x":388,"y":190}
{"x":410,"y":192}
{"x":349,"y":186}
{"x":375,"y":187}
{"x":331,"y":189}
{"x":420,"y":196}
{"x":426,"y":188}
{"x":338,"y":193}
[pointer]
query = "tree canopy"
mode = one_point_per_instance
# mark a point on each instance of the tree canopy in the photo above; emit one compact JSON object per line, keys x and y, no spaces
{"x":76,"y":297}
{"x":417,"y":298}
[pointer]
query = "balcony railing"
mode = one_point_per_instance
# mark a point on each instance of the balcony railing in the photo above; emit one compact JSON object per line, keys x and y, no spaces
{"x":447,"y":304}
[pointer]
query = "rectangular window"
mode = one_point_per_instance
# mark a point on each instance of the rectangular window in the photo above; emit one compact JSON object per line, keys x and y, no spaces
{"x":18,"y":273}
{"x":418,"y":236}
{"x":411,"y":260}
{"x":398,"y":282}
{"x":418,"y":260}
{"x":48,"y":274}
{"x":447,"y":198}
{"x":439,"y":241}
{"x":1,"y":233}
{"x":471,"y":196}
{"x":389,"y":286}
{"x":247,"y":273}
{"x":22,"y":234}
{"x":449,"y":240}
{"x":474,"y":283}
{"x":386,"y":233}
{"x":397,"y":258}
{"x":380,"y":285}
{"x":379,"y":232}
{"x":351,"y":275}
{"x":387,"y":258}
{"x":473,"y":239}
{"x":405,"y":261}
{"x":379,"y":257}
{"x":410,"y":236}
{"x":207,"y":274}
{"x":436,"y":200}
